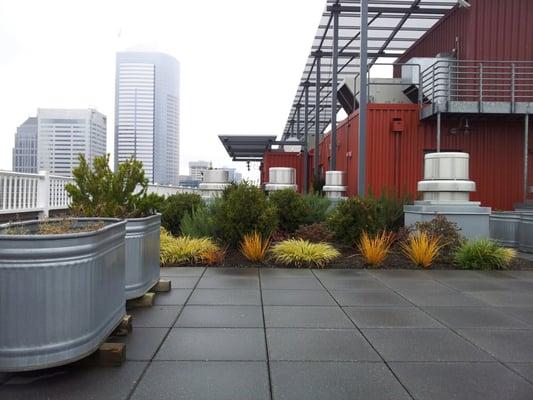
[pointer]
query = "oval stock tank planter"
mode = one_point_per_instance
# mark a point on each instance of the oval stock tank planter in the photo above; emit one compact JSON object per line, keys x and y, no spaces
{"x":504,"y":228}
{"x":60,"y":295}
{"x":525,"y":233}
{"x":142,"y":255}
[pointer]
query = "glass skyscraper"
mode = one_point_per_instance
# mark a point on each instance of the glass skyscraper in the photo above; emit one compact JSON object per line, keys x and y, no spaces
{"x":147,"y":113}
{"x":25,"y":150}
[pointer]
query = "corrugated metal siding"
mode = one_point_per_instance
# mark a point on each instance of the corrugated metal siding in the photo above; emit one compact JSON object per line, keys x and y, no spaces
{"x":495,"y":147}
{"x":492,"y":30}
{"x":281,"y":159}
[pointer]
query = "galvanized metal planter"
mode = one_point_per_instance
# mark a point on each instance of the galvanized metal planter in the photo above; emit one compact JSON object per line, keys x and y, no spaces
{"x":525,"y":234}
{"x":60,"y":295}
{"x":142,"y":255}
{"x":504,"y":228}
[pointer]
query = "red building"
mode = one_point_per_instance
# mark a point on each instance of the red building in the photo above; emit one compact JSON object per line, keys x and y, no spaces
{"x":483,"y":93}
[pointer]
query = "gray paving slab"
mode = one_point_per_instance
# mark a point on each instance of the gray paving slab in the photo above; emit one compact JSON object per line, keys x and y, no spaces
{"x":318,"y":345}
{"x":410,"y":284}
{"x":182,"y":282}
{"x":286,"y":273}
{"x":290,"y":283}
{"x":349,"y":283}
{"x":229,"y":282}
{"x":297,"y":298}
{"x":423,"y":345}
{"x":504,"y":345}
{"x":391,"y":317}
{"x":462,"y":381}
{"x":472,"y":285}
{"x":524,"y":275}
{"x":221,"y":317}
{"x":474,"y":317}
{"x":524,"y":314}
{"x":382,"y":298}
{"x":172,"y":298}
{"x":142,"y":343}
{"x":341,"y":273}
{"x":155,"y":317}
{"x":306,"y":317}
{"x":213,"y":344}
{"x":504,"y":298}
{"x":440,"y":298}
{"x":523,"y":369}
{"x":175,"y":380}
{"x":182,"y":271}
{"x":226,"y":297}
{"x":74,"y":381}
{"x":334,"y":381}
{"x":385,"y":275}
{"x":226,"y":271}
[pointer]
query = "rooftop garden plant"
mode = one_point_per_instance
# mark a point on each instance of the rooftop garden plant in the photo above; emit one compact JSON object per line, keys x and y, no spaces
{"x":375,"y":248}
{"x":302,"y":253}
{"x":177,"y":207}
{"x":421,"y":248}
{"x":315,"y":233}
{"x":187,"y":250}
{"x":483,"y":254}
{"x":254,"y":247}
{"x":291,"y":208}
{"x":243,"y":208}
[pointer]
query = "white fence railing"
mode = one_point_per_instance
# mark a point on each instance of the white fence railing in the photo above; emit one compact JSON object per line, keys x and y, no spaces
{"x":23,"y":193}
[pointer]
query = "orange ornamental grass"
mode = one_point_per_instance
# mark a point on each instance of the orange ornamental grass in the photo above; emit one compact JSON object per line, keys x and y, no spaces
{"x":375,"y":249}
{"x":421,"y":248}
{"x":254,"y":247}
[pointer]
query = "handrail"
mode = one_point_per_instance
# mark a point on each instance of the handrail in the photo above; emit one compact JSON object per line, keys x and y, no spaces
{"x":477,"y":81}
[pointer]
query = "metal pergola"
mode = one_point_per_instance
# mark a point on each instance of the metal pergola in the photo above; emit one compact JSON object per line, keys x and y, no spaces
{"x":353,"y":34}
{"x":250,"y":148}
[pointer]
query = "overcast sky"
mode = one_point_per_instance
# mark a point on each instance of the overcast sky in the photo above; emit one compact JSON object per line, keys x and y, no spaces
{"x":241,"y":61}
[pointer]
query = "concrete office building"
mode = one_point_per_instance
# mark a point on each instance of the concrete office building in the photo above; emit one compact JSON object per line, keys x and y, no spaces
{"x":147,"y":113}
{"x":63,"y":134}
{"x":197,"y":168}
{"x":25,"y":149}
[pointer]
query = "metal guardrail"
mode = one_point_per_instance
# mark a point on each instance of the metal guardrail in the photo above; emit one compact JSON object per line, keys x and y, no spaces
{"x":478,"y":81}
{"x":24,"y":193}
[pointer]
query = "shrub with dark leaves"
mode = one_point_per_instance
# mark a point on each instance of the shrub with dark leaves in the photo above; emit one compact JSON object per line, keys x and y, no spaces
{"x":315,"y":233}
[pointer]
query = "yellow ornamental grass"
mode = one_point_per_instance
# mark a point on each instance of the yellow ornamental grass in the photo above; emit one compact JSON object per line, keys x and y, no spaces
{"x":375,"y":249}
{"x":187,"y":250}
{"x":421,"y":248}
{"x":302,"y":253}
{"x":254,"y":247}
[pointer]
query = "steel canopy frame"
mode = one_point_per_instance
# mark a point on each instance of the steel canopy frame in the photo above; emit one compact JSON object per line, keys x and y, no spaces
{"x":247,"y":148}
{"x":392,"y":27}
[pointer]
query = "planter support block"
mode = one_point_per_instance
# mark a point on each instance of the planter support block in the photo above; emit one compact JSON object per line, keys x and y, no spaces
{"x":144,"y":301}
{"x":125,"y":327}
{"x":162,"y":286}
{"x":111,"y":354}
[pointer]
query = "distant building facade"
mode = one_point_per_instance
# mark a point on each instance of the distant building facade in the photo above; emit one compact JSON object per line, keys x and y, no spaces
{"x":147,"y":108}
{"x":197,"y":168}
{"x":63,"y":134}
{"x":233,"y":175}
{"x":25,"y":149}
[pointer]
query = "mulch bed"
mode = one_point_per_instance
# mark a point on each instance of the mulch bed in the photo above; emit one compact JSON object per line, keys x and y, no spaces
{"x":351,"y":260}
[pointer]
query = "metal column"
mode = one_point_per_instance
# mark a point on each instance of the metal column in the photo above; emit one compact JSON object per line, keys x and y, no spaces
{"x":334,"y":84}
{"x":361,"y":172}
{"x":439,"y":122}
{"x":306,"y":140}
{"x":318,"y":86}
{"x":526,"y":157}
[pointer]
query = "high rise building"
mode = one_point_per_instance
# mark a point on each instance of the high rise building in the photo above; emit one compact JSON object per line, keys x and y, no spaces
{"x":147,"y":113}
{"x":63,"y":134}
{"x":196,"y":169}
{"x":25,"y":150}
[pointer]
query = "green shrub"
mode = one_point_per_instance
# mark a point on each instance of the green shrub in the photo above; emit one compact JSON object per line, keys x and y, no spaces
{"x":291,"y":209}
{"x":198,"y":223}
{"x":243,"y":209}
{"x":319,"y":208}
{"x":176,"y":207}
{"x":390,"y":211}
{"x":99,"y":192}
{"x":483,"y":254}
{"x":352,"y":217}
{"x":151,"y":204}
{"x":315,"y":233}
{"x":301,"y":253}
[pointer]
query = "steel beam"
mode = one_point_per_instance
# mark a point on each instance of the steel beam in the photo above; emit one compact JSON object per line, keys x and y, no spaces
{"x":363,"y":74}
{"x":526,"y":156}
{"x":306,"y":140}
{"x":392,"y":10}
{"x":316,"y":153}
{"x":334,"y":65}
{"x":439,"y":123}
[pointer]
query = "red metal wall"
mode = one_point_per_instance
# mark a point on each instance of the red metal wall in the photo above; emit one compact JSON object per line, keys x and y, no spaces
{"x":281,"y":159}
{"x":395,"y":160}
{"x":491,"y":30}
